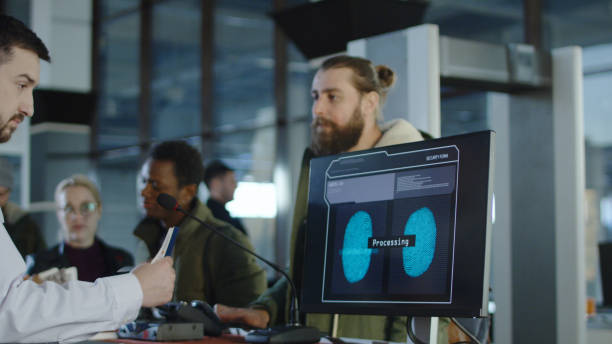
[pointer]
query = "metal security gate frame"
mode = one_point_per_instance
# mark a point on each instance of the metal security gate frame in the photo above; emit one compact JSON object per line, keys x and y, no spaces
{"x":534,"y":103}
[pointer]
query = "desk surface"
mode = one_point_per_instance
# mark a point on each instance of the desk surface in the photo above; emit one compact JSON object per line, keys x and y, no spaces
{"x":224,"y":339}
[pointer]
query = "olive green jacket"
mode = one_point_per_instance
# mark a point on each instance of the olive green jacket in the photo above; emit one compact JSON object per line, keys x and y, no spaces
{"x":276,"y":299}
{"x":208,"y":266}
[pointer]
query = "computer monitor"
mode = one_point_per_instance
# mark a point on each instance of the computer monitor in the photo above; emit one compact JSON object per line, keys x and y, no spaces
{"x":401,"y":230}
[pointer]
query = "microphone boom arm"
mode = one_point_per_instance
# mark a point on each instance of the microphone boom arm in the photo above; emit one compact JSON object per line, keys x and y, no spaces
{"x":170,"y":203}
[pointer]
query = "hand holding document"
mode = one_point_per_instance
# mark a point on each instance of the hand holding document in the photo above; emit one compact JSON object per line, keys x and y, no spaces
{"x":157,"y":277}
{"x":168,"y":245}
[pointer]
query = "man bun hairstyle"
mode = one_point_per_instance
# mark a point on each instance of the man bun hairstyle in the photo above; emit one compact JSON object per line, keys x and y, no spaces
{"x":14,"y":33}
{"x":386,"y":76}
{"x":188,"y":167}
{"x":366,"y":77}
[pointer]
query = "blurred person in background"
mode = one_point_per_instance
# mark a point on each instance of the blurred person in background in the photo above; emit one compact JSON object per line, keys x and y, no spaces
{"x":24,"y":232}
{"x":79,"y":209}
{"x":221,"y":183}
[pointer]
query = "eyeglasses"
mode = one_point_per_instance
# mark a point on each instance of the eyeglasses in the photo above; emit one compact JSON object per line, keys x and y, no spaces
{"x":85,"y":209}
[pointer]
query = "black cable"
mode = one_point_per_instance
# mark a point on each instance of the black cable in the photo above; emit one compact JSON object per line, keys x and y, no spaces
{"x":335,"y":340}
{"x":410,"y":332}
{"x":294,"y":314}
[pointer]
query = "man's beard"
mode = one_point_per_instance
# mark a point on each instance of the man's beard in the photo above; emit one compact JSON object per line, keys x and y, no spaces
{"x":336,"y":139}
{"x":6,"y":131}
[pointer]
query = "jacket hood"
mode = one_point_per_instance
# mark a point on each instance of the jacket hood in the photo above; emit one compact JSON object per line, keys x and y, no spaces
{"x":396,"y":132}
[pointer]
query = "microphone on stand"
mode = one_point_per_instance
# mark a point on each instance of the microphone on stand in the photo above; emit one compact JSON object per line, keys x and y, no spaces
{"x":293,"y":332}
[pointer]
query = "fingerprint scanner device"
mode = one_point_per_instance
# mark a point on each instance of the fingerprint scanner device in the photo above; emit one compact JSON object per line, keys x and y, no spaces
{"x":167,"y":245}
{"x":401,"y":230}
{"x":151,"y":331}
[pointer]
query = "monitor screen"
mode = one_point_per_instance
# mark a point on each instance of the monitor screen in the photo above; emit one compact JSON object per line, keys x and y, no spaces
{"x":401,"y":230}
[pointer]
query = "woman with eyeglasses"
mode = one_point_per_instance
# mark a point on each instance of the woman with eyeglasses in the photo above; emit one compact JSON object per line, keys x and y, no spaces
{"x":79,"y":208}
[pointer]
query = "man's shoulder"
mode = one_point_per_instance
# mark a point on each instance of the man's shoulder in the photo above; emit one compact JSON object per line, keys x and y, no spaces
{"x":211,"y":203}
{"x":206,"y":214}
{"x":223,"y":227}
{"x":218,"y":210}
{"x":398,"y":131}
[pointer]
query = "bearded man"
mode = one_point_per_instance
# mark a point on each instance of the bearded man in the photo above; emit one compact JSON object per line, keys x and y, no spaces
{"x":348,"y":94}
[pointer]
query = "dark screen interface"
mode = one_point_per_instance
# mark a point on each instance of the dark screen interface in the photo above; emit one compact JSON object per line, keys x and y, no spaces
{"x":391,"y":227}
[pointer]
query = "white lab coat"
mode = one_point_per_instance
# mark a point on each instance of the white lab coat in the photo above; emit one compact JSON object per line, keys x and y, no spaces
{"x":51,"y":312}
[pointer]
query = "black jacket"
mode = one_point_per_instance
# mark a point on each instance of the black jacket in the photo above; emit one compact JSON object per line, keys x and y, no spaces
{"x":222,"y":214}
{"x":24,"y":232}
{"x":115,"y":258}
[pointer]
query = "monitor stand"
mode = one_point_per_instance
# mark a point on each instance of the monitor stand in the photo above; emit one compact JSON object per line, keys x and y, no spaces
{"x":433,"y":330}
{"x":419,"y":327}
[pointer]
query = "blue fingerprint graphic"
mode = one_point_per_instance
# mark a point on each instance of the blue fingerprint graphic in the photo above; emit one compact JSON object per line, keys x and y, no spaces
{"x":418,"y":258}
{"x":355,"y":252}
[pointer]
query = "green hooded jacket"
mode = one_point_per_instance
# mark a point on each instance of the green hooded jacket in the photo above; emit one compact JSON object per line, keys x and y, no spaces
{"x":208,"y":266}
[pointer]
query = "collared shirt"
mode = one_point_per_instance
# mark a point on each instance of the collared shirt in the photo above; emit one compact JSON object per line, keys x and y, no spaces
{"x":51,"y":312}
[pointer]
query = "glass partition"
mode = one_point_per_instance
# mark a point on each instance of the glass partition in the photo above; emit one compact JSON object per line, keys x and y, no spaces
{"x":176,"y":73}
{"x":118,"y":102}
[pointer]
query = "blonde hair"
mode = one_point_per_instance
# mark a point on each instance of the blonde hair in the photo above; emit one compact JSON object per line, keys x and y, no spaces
{"x":78,"y":180}
{"x":366,"y":77}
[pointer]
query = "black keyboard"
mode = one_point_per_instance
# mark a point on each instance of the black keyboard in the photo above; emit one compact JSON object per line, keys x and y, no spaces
{"x":284,"y":334}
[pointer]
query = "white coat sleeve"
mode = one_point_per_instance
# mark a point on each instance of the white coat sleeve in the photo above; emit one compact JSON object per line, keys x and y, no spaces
{"x":51,"y":312}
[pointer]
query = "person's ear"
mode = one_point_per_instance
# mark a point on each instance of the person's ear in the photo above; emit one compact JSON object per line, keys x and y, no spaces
{"x":369,"y":103}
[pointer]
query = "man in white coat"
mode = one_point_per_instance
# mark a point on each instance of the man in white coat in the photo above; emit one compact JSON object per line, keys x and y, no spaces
{"x":51,"y":312}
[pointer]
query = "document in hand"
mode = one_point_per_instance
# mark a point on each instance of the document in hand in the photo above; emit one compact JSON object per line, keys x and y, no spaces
{"x":168,"y":244}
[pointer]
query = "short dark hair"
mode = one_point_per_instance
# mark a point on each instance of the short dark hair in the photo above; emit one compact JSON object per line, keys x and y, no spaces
{"x":187,"y":161}
{"x":14,"y":33}
{"x":215,"y":169}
